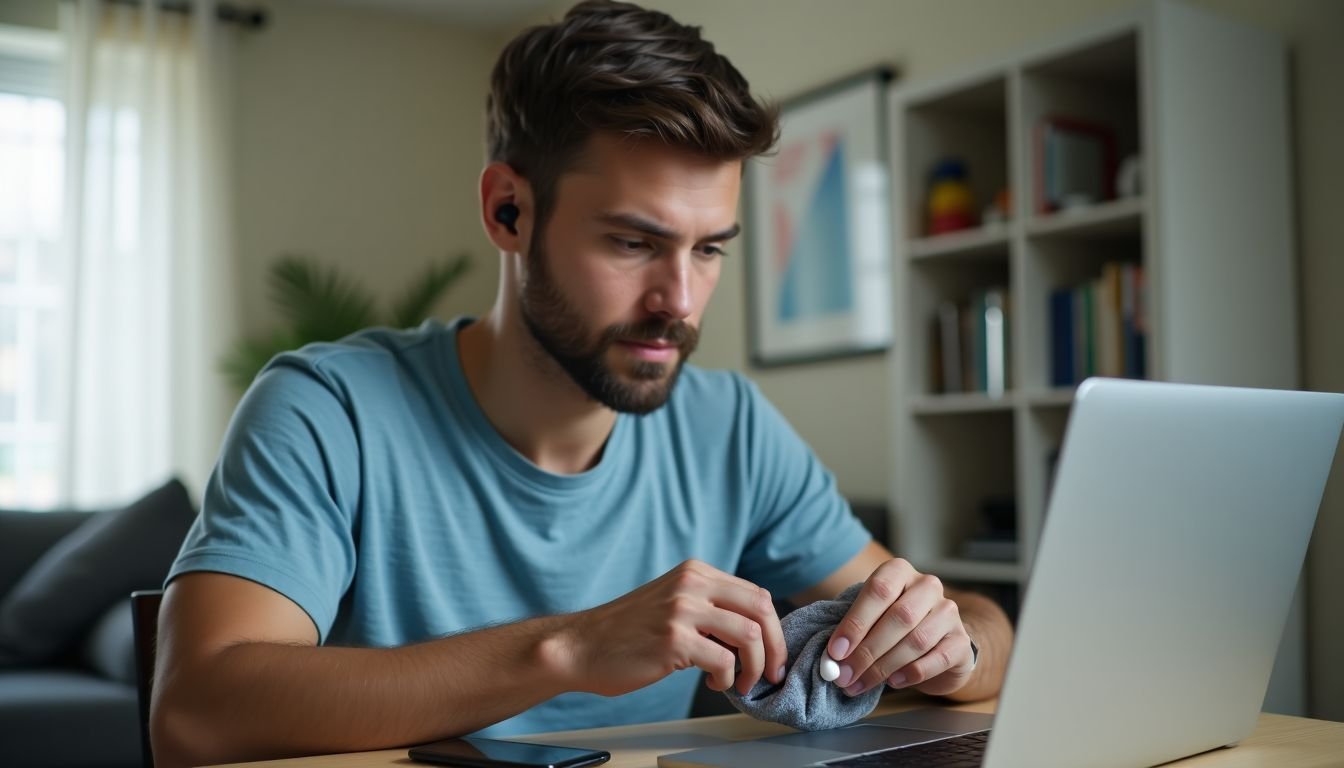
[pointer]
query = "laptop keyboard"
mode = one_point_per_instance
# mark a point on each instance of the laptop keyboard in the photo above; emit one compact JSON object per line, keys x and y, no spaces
{"x":960,"y":752}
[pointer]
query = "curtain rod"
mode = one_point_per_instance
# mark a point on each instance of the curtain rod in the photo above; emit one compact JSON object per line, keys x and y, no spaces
{"x":247,"y":18}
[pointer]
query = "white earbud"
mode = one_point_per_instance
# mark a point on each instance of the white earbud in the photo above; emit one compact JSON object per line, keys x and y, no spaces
{"x":829,"y":669}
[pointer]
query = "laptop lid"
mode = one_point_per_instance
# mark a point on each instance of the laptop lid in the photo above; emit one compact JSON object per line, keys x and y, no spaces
{"x":1172,"y":545}
{"x":1175,"y":533}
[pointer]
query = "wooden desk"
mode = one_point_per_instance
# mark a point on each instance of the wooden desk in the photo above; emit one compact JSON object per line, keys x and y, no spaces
{"x":1277,"y":742}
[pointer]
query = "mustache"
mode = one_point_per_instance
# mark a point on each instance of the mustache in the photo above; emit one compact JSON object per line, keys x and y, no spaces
{"x":677,"y":332}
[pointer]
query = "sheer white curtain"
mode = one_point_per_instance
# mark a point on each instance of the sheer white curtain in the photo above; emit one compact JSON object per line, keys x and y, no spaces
{"x":146,"y":227}
{"x":32,"y":299}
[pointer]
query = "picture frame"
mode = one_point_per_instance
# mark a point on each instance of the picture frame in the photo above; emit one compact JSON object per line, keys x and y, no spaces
{"x":1075,"y":164}
{"x":818,"y":222}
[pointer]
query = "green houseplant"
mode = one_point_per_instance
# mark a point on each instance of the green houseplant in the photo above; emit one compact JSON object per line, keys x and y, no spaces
{"x":320,"y":303}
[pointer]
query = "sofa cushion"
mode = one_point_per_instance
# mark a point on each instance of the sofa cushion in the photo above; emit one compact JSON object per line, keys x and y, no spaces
{"x":59,"y":718}
{"x":109,"y":649}
{"x":100,"y":562}
{"x":24,"y":536}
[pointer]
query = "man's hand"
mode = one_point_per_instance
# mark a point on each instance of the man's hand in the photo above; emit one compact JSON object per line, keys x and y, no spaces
{"x":902,"y":630}
{"x":692,"y":616}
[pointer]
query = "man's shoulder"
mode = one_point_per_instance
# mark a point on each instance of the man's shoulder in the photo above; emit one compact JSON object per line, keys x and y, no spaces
{"x":372,"y":350}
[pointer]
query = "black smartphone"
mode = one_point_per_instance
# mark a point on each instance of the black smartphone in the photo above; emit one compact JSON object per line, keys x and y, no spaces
{"x":475,"y":752}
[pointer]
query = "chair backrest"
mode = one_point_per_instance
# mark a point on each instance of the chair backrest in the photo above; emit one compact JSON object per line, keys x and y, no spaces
{"x":145,"y":620}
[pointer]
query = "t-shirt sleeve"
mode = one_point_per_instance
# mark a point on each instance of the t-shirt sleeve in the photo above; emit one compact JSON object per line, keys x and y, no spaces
{"x":279,"y":508}
{"x":802,"y":529}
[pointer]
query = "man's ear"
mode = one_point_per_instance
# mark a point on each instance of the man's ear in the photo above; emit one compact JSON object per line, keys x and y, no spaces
{"x":506,"y":207}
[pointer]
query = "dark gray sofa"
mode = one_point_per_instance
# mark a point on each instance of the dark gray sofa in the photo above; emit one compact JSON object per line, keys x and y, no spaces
{"x":67,"y":665}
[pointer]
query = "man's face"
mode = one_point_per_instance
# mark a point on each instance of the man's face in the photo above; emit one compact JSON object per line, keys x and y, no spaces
{"x":619,"y":276}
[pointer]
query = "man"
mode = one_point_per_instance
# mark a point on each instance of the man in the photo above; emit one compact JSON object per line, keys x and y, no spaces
{"x":540,"y":519}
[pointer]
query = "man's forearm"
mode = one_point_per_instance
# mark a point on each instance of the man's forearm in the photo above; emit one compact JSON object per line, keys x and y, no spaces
{"x":989,"y":627}
{"x":266,"y":700}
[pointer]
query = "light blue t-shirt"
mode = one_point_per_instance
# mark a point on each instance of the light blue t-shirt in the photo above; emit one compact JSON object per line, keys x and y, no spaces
{"x":361,"y":480}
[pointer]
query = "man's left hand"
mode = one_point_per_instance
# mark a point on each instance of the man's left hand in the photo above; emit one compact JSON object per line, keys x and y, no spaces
{"x":902,"y":630}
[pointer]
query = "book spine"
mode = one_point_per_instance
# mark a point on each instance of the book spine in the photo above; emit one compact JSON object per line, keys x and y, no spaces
{"x":935,"y":358}
{"x":1101,"y":325}
{"x":1129,"y":329}
{"x":1109,"y":330}
{"x":1061,"y":338}
{"x":996,"y":342}
{"x":949,"y":331}
{"x":1089,"y":314}
{"x":981,"y":342}
{"x":1141,"y":320}
{"x":970,"y":373}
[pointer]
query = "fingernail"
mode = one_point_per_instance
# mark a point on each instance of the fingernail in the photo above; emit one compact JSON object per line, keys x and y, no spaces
{"x":846,"y":676}
{"x":856,"y":689}
{"x":779,"y":676}
{"x":839,"y":648}
{"x":897,"y":680}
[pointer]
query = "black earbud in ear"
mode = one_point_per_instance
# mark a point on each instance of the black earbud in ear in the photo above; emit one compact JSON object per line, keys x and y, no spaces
{"x":507,"y":214}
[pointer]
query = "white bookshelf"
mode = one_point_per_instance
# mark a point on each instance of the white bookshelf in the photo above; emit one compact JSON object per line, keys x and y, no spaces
{"x":983,"y":241}
{"x":1203,"y":100}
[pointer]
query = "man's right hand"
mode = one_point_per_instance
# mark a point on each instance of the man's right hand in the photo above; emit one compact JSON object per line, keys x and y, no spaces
{"x":692,"y":616}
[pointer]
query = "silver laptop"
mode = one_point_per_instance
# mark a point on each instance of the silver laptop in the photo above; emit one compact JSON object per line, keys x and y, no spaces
{"x":1175,"y":533}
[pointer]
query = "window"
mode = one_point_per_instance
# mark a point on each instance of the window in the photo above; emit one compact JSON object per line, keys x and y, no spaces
{"x":32,"y":280}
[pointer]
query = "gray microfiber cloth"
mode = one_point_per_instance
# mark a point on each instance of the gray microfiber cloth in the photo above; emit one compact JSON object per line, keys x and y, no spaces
{"x":804,"y":700}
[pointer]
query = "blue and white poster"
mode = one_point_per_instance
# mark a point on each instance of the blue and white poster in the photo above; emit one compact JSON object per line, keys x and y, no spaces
{"x":819,"y":229}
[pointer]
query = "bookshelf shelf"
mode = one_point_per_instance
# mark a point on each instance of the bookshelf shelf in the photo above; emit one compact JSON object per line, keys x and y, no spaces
{"x":1058,"y":397}
{"x":1111,"y":218}
{"x":989,"y":241}
{"x":970,"y":402}
{"x":1150,"y":270}
{"x":961,"y":569}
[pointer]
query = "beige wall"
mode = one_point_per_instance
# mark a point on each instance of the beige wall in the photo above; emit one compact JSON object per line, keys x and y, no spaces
{"x":358,"y":141}
{"x":29,"y":13}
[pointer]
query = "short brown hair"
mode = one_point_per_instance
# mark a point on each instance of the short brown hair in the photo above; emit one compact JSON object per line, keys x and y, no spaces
{"x":616,"y":67}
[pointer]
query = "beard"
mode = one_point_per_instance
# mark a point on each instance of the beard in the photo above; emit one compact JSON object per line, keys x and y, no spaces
{"x":559,"y":328}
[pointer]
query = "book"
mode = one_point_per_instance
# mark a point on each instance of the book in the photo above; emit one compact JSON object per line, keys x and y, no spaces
{"x":977,"y":305}
{"x":1061,"y":338}
{"x":1129,"y":323}
{"x":993,"y":305}
{"x":1097,"y":327}
{"x":1110,"y":341}
{"x":1084,"y":329}
{"x":948,"y":324}
{"x":935,"y":356}
{"x":970,"y":345}
{"x":1074,"y":162}
{"x":1140,"y":323}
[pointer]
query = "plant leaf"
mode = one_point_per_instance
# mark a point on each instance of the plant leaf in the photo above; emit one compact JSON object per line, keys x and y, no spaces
{"x":416,"y":303}
{"x":320,"y":302}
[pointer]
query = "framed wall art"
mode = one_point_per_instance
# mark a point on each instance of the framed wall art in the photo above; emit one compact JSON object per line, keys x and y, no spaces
{"x":819,"y":230}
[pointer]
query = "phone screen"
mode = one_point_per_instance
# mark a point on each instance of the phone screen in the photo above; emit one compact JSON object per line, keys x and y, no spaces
{"x":480,"y":753}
